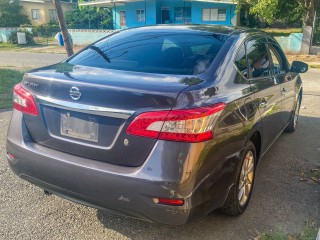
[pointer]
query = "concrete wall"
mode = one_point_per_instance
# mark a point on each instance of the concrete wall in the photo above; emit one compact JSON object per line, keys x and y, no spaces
{"x":86,"y":37}
{"x":171,"y":4}
{"x":292,"y":43}
{"x":79,"y":36}
{"x":197,"y":7}
{"x":6,"y":32}
{"x":153,"y":12}
{"x":130,"y":11}
{"x":44,"y":8}
{"x":315,"y":50}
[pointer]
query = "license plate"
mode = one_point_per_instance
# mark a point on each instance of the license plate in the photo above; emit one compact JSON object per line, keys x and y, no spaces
{"x":78,"y":128}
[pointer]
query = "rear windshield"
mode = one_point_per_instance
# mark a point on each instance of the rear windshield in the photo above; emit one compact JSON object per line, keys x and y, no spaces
{"x":164,"y":53}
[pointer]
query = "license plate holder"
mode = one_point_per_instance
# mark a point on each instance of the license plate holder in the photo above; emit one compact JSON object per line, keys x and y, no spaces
{"x":78,"y":128}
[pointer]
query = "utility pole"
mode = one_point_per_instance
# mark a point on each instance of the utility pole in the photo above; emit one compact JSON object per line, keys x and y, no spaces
{"x":63,"y":28}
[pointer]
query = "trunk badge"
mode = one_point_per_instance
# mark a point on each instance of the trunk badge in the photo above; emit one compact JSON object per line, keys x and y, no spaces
{"x":75,"y":93}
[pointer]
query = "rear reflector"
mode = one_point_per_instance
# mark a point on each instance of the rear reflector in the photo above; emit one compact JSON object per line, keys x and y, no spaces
{"x":10,"y":156}
{"x":23,"y":101}
{"x":169,"y":201}
{"x":187,"y":125}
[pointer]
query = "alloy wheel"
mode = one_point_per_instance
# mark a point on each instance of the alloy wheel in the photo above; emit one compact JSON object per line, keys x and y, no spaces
{"x":246,"y":178}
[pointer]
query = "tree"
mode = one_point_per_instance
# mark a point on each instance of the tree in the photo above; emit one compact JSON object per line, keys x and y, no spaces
{"x":90,"y":17}
{"x":10,"y":14}
{"x":282,"y":10}
{"x":63,"y":28}
{"x":309,"y":11}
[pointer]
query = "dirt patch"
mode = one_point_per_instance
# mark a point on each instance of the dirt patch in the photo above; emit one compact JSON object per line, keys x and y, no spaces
{"x":312,"y":60}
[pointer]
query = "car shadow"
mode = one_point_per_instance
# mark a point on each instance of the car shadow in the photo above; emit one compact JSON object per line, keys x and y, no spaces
{"x":280,"y":201}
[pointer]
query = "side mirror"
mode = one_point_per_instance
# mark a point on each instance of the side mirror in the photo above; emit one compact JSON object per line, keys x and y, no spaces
{"x":299,"y":67}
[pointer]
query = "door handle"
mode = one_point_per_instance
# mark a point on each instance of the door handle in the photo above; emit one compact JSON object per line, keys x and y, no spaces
{"x":263,"y":103}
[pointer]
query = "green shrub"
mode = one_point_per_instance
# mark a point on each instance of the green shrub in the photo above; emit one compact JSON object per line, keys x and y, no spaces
{"x":89,"y":17}
{"x":316,"y":36}
{"x":46,"y":30}
{"x":11,"y":14}
{"x":13,"y":38}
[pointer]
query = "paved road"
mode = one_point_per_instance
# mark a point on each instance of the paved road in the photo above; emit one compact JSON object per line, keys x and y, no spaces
{"x":29,"y":59}
{"x":280,"y":201}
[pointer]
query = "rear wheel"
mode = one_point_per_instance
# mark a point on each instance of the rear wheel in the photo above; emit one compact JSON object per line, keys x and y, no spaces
{"x":292,"y":126}
{"x":240,"y":193}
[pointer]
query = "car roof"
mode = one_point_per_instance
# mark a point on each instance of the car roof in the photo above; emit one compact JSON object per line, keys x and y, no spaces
{"x":194,"y":28}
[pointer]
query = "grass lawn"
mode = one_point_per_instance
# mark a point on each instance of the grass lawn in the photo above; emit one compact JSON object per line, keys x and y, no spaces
{"x":312,"y":60}
{"x":279,"y":32}
{"x":8,"y":46}
{"x":8,"y":78}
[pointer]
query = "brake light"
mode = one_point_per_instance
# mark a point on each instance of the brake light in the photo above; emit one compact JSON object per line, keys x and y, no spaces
{"x":187,"y":125}
{"x":23,"y":101}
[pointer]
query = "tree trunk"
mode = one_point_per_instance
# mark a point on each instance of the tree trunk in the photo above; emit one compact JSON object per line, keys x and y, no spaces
{"x":63,"y":28}
{"x":309,"y":8}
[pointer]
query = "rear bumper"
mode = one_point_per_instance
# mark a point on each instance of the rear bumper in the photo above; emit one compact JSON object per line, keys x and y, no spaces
{"x":127,"y":190}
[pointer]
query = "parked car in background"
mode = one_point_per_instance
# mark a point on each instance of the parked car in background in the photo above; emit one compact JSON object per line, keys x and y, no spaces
{"x":160,"y":123}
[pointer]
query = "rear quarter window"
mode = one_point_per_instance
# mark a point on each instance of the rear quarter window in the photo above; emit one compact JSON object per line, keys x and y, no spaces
{"x":241,"y":61}
{"x":258,"y":58}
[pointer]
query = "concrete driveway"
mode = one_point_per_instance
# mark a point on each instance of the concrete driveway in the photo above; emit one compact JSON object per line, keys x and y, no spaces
{"x":281,"y":202}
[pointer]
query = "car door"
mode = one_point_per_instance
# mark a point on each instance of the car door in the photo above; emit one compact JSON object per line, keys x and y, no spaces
{"x":282,"y":74}
{"x":266,"y":89}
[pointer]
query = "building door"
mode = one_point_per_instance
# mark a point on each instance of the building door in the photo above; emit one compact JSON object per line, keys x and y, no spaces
{"x":165,"y":15}
{"x":123,"y":21}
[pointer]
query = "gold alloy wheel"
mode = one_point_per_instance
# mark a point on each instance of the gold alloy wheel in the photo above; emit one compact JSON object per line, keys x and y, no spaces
{"x":246,"y":179}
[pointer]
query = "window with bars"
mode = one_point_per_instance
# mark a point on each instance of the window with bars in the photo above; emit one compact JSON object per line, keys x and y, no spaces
{"x":35,"y":13}
{"x":182,"y":14}
{"x":140,"y":15}
{"x":214,"y":14}
{"x":53,"y":15}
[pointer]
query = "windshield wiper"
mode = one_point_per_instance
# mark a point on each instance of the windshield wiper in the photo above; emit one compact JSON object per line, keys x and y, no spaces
{"x":101,"y":53}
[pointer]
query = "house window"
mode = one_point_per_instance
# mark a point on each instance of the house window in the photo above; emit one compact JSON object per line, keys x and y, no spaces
{"x":140,"y":15}
{"x":214,"y":14}
{"x":222,"y":15}
{"x":35,"y":13}
{"x":123,"y":21}
{"x":182,"y":14}
{"x":53,"y":15}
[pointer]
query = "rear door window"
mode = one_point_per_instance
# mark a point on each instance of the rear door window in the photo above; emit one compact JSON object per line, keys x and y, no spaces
{"x":164,"y":53}
{"x":258,"y":59}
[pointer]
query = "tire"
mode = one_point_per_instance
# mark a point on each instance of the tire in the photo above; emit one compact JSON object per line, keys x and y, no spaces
{"x":235,"y":204}
{"x":293,"y":123}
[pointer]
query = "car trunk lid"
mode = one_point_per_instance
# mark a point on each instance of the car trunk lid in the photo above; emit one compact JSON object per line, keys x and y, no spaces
{"x":85,"y":111}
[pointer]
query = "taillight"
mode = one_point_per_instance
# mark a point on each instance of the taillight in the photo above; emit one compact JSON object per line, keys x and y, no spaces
{"x":187,"y":125}
{"x":23,"y":101}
